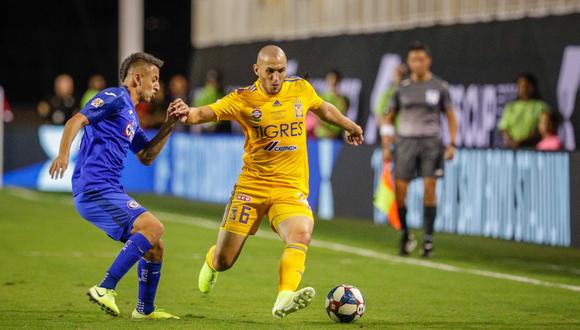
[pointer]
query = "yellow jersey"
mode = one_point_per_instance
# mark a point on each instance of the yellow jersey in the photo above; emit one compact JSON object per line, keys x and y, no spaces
{"x":275,"y":130}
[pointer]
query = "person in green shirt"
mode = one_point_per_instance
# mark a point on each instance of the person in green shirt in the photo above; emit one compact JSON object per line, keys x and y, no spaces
{"x":520,"y":118}
{"x":96,"y":84}
{"x":324,"y":130}
{"x":402,"y":72}
{"x":210,"y":93}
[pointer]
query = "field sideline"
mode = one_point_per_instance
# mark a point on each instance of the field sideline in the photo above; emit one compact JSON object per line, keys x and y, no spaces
{"x":53,"y":256}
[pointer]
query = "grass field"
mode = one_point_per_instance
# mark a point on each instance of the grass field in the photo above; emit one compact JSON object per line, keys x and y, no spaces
{"x":50,"y":256}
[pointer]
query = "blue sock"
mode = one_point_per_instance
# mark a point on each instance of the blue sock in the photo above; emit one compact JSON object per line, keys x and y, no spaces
{"x":135,"y":247}
{"x":149,"y":273}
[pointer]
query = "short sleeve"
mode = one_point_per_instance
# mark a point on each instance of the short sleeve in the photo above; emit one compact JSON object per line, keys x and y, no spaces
{"x":394,"y":101}
{"x":140,"y":141}
{"x":103,"y":105}
{"x":229,"y":106}
{"x":314,"y":101}
{"x":445,"y":98}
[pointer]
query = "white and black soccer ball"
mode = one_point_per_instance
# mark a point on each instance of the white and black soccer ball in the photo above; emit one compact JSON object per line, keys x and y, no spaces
{"x":345,"y":304}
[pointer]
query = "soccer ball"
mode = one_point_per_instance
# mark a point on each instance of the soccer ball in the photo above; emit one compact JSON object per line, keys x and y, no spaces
{"x":345,"y":304}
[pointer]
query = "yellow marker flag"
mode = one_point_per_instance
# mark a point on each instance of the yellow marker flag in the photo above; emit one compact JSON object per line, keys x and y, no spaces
{"x":384,"y":199}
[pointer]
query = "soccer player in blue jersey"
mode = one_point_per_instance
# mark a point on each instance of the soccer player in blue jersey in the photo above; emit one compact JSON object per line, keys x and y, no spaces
{"x":111,"y":128}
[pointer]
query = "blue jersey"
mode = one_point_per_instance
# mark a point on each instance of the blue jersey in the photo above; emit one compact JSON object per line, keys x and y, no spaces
{"x":113,"y":129}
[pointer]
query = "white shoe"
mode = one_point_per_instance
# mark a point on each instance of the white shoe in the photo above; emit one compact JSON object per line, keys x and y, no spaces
{"x":289,"y":302}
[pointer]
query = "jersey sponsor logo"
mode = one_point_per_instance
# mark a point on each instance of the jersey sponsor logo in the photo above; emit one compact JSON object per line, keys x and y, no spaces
{"x":273,"y":146}
{"x":133,"y":205}
{"x":277,"y":103}
{"x":298,"y":110}
{"x":256,"y":115}
{"x":278,"y":131}
{"x":432,"y":96}
{"x":243,"y":198}
{"x":97,"y":102}
{"x":110,"y":94}
{"x":129,"y":131}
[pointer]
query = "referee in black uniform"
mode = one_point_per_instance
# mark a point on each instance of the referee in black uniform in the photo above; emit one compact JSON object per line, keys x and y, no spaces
{"x":418,"y":103}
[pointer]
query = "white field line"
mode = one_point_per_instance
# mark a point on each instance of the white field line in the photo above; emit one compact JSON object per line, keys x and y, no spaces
{"x":209,"y":224}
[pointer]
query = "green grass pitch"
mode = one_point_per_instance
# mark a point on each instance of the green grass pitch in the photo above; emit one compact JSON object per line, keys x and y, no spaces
{"x":50,"y":257}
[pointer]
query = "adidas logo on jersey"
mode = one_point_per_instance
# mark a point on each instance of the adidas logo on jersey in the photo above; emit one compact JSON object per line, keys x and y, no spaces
{"x":277,"y":103}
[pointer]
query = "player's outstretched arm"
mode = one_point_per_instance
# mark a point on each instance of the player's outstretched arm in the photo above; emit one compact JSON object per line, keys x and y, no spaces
{"x":192,"y":116}
{"x":330,"y":114}
{"x":71,"y":129}
{"x":152,"y":148}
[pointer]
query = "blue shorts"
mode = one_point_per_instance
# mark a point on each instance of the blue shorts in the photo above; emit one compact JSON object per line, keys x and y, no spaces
{"x":112,"y":211}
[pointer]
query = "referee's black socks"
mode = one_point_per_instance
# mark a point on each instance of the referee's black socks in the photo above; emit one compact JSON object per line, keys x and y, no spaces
{"x":403,"y":219}
{"x":429,"y":214}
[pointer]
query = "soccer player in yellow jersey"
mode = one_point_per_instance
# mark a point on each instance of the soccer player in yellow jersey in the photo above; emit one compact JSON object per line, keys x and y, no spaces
{"x":274,"y":178}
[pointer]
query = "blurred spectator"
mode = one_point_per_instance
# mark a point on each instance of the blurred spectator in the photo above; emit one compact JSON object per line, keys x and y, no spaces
{"x":519,"y":121}
{"x":179,"y":88}
{"x":153,"y":114}
{"x":402,"y":72}
{"x":550,"y":121}
{"x":60,"y":107}
{"x":96,"y":84}
{"x":210,"y":93}
{"x":324,"y":130}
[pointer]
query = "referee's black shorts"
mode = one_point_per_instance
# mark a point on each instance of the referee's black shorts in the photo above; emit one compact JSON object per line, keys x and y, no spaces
{"x":418,"y":156}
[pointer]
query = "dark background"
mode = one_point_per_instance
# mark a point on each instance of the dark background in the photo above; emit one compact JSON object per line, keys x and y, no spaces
{"x":41,"y":39}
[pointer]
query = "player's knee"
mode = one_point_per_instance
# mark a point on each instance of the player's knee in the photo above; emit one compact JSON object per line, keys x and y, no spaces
{"x":155,"y":254}
{"x":157,"y":228}
{"x":153,"y":231}
{"x":429,"y":198}
{"x":302,"y":237}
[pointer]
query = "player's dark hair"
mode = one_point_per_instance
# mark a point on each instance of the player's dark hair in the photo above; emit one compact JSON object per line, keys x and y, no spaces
{"x":555,"y":119}
{"x":138,"y":57}
{"x":532,"y":80}
{"x":417,"y":45}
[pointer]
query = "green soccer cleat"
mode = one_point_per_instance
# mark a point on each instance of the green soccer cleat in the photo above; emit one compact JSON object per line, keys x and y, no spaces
{"x":207,"y":278}
{"x":289,"y":302}
{"x":157,"y":314}
{"x":104,"y":298}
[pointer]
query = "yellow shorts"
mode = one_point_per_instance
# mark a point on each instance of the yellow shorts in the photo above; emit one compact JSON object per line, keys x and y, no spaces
{"x":248,"y":204}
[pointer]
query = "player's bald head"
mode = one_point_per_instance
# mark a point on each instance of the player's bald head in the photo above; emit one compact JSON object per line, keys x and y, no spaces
{"x":270,"y":68}
{"x":269,"y":54}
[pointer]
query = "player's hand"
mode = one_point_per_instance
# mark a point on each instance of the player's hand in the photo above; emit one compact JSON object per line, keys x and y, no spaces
{"x":450,"y":152}
{"x":178,"y":110}
{"x":354,"y":135}
{"x":58,"y":166}
{"x":387,"y":154}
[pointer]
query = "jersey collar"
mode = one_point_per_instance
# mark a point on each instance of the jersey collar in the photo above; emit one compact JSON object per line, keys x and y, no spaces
{"x":280,"y":93}
{"x":128,"y":96}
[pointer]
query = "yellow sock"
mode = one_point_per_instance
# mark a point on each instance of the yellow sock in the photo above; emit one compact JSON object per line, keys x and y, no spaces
{"x":209,"y":257}
{"x":292,"y":266}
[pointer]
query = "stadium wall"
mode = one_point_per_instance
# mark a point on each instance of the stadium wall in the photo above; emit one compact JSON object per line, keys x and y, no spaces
{"x":480,"y":61}
{"x":516,"y":195}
